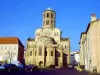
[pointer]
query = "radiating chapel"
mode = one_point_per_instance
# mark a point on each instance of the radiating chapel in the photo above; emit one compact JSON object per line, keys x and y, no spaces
{"x":48,"y":47}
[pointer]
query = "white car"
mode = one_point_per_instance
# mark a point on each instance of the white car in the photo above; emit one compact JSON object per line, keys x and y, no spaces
{"x":70,"y":66}
{"x":18,"y":64}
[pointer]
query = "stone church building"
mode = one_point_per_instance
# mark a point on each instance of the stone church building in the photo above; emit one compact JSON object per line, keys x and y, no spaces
{"x":48,"y":47}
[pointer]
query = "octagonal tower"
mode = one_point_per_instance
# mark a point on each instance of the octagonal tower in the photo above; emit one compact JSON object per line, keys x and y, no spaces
{"x":49,"y":16}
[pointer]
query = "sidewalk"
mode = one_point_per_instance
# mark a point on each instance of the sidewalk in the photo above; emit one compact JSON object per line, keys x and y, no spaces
{"x":82,"y":70}
{"x":78,"y":68}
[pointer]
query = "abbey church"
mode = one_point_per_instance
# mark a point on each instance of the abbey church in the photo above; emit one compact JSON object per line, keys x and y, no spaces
{"x":48,"y":47}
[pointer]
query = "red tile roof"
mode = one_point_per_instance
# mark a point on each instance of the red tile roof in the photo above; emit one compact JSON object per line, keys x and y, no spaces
{"x":8,"y":40}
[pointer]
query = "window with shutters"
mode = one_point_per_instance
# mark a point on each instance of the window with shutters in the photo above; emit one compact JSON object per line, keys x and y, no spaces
{"x":5,"y":47}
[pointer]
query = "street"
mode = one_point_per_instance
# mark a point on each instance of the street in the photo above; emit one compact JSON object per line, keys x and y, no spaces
{"x":59,"y":71}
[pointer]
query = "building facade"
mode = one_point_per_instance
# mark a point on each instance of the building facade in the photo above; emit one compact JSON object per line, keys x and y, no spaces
{"x":82,"y":49}
{"x":11,"y":49}
{"x":91,"y":45}
{"x":48,"y":47}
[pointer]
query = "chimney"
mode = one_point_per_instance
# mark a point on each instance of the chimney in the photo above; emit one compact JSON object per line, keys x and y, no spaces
{"x":93,"y":17}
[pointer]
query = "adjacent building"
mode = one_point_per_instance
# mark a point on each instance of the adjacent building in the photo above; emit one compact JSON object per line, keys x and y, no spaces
{"x":82,"y":49}
{"x":48,"y":47}
{"x":90,"y":46}
{"x":11,"y":49}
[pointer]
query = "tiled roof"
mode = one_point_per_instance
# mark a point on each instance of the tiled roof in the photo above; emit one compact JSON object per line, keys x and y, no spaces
{"x":8,"y":40}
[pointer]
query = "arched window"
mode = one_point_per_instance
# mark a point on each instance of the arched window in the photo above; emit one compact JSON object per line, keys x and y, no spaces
{"x":51,"y":53}
{"x":65,"y":46}
{"x":38,"y":34}
{"x":47,"y":22}
{"x":45,"y":51}
{"x":47,"y":15}
{"x":56,"y":34}
{"x":51,"y":15}
{"x":35,"y":53}
{"x":30,"y":53}
{"x":40,"y":51}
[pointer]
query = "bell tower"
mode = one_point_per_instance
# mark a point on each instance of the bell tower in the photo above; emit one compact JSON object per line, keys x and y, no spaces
{"x":49,"y":18}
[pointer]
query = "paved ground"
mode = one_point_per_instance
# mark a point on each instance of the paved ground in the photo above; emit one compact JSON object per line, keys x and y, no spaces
{"x":61,"y":71}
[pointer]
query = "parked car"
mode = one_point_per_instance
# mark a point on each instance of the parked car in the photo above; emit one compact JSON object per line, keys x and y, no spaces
{"x":70,"y":66}
{"x":10,"y":67}
{"x":52,"y":66}
{"x":31,"y":68}
{"x":18,"y":64}
{"x":2,"y":68}
{"x":20,"y":67}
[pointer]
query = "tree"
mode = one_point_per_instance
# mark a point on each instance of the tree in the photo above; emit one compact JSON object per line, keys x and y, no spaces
{"x":10,"y":55}
{"x":40,"y":63}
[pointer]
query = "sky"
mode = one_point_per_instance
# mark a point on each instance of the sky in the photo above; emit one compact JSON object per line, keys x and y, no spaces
{"x":20,"y":18}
